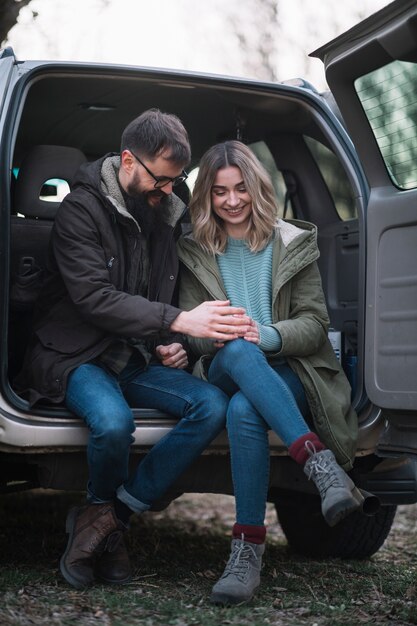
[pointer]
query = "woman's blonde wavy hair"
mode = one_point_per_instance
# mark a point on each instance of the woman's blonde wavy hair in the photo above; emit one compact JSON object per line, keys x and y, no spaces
{"x":208,"y":228}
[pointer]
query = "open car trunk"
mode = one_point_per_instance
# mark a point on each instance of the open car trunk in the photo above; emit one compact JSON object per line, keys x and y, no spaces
{"x":308,"y":154}
{"x":372,"y":72}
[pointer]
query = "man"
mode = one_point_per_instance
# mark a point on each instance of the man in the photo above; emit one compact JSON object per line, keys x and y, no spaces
{"x":104,"y":337}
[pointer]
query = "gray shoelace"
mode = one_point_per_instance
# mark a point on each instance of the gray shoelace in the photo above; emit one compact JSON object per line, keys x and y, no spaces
{"x":326,"y":476}
{"x":238,"y":563}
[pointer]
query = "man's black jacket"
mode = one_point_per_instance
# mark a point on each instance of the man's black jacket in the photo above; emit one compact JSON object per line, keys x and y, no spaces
{"x":83,"y":306}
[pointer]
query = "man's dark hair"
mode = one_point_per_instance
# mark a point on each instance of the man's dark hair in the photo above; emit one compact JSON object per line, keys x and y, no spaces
{"x":153,"y":133}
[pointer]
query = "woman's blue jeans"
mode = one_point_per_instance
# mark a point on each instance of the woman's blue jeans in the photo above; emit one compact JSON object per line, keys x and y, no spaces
{"x":103,"y":401}
{"x":263,"y":396}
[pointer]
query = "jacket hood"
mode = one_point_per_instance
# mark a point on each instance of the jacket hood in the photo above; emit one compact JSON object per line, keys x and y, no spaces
{"x":295,"y":236}
{"x":295,"y":247}
{"x":100,"y":178}
{"x":89,"y":175}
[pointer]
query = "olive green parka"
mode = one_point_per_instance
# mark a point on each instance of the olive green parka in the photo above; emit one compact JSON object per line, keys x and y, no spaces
{"x":300,"y":315}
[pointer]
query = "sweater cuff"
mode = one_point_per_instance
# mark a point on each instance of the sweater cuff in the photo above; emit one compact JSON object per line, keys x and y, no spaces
{"x":270,"y":339}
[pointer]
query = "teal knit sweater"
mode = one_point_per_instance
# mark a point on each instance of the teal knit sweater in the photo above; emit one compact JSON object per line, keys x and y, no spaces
{"x":247,"y":277}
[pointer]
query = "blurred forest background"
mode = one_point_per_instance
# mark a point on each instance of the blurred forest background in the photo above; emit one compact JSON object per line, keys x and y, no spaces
{"x":262,"y":39}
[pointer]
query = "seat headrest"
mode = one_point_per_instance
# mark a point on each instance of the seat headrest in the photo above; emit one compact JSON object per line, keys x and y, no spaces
{"x":40,"y":164}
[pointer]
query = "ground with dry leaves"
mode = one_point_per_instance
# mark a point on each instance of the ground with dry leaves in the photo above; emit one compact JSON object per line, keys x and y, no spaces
{"x":178,"y":554}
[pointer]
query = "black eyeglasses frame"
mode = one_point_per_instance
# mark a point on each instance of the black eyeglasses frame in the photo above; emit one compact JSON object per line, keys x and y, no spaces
{"x":161,"y":181}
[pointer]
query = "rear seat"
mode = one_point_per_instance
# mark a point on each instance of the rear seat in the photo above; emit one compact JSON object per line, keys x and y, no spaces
{"x":30,"y":231}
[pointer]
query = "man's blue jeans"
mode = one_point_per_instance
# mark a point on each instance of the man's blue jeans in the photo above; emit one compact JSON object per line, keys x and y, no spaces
{"x":263,"y":396}
{"x":103,"y":401}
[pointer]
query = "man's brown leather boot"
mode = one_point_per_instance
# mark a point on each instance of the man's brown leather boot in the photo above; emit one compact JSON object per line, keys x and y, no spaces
{"x":89,"y":528}
{"x":113,"y":565}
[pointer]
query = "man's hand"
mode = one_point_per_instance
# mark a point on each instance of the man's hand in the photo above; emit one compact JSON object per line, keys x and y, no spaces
{"x":172,"y":355}
{"x":213,"y":320}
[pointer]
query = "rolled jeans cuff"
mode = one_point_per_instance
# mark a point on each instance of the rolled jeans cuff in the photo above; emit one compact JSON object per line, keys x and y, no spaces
{"x":135,"y":505}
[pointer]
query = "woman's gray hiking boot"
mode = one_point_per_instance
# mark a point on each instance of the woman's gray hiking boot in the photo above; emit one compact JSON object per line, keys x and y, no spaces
{"x":241,"y":576}
{"x":339,"y":495}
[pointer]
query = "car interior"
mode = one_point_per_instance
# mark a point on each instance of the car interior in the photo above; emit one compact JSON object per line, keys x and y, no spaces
{"x":72,"y":114}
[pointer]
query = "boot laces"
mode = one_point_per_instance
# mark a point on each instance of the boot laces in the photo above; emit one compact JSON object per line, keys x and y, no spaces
{"x":113,"y":541}
{"x":323,"y":471}
{"x":109,"y":543}
{"x":238,"y":564}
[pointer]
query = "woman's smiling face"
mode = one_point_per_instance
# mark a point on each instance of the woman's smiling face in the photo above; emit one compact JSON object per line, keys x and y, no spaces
{"x":231,"y":202}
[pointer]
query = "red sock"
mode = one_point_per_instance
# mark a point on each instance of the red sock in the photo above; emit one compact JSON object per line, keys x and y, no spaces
{"x":298,"y":450}
{"x":251,"y":533}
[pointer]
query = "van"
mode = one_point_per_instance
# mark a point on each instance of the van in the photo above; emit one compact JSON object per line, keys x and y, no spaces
{"x":346,"y":161}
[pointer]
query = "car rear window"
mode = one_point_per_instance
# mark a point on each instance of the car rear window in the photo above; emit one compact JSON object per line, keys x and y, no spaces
{"x":389,"y":98}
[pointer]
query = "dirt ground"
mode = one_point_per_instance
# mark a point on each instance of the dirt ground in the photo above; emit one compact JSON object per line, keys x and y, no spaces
{"x":178,"y":554}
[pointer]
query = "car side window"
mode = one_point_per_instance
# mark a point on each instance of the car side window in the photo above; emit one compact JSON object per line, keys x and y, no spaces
{"x":335,"y":178}
{"x":54,"y":190}
{"x":389,"y":98}
{"x":263,"y":153}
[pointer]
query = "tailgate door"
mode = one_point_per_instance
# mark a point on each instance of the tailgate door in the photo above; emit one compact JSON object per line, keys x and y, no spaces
{"x":372,"y":72}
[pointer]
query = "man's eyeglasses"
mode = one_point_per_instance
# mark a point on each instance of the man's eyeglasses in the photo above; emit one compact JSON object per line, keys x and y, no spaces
{"x":161,"y":181}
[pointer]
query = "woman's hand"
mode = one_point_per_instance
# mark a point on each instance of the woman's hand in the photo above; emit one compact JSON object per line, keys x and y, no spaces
{"x":252,"y":334}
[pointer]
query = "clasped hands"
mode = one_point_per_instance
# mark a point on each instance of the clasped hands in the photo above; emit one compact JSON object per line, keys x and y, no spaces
{"x":215,"y":320}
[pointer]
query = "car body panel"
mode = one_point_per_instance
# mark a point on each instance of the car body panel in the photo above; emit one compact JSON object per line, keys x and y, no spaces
{"x":391,"y":220}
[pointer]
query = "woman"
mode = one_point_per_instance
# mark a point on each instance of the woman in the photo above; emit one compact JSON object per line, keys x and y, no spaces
{"x":283,"y":370}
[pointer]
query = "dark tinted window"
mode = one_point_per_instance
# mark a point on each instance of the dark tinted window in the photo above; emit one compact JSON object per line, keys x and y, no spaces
{"x":389,"y":98}
{"x":335,"y":178}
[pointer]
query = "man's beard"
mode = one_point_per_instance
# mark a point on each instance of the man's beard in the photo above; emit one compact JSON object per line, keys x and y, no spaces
{"x":148,"y":217}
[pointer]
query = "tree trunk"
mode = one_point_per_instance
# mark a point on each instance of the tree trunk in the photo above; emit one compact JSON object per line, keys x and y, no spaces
{"x":9,"y":12}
